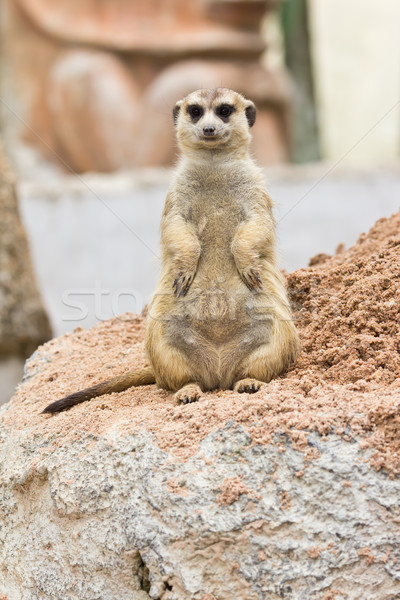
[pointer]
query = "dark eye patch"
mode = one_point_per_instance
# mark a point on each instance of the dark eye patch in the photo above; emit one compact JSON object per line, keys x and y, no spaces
{"x":224,"y":111}
{"x":195,"y":111}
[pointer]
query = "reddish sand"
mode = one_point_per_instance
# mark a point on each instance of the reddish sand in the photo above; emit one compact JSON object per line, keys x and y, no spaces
{"x":346,"y":380}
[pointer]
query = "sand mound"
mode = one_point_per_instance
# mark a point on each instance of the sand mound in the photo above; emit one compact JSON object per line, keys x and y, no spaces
{"x":346,"y":380}
{"x":347,"y":308}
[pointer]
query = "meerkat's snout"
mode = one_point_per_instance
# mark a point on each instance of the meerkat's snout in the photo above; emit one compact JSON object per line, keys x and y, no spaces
{"x":209,"y":131}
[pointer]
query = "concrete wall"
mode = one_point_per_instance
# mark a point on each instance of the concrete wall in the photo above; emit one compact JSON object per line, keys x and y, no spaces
{"x":356,"y":55}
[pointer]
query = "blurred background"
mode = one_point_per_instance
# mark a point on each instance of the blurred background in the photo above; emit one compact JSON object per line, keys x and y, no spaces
{"x":86,"y":94}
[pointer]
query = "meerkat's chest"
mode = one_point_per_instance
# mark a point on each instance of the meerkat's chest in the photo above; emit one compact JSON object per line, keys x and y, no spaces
{"x":216,"y":206}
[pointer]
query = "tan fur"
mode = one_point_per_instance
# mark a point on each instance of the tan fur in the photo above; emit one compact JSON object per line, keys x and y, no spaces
{"x":227,"y":317}
{"x":220,"y":316}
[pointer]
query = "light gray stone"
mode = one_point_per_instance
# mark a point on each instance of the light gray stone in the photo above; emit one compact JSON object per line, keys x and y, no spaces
{"x":97,"y":520}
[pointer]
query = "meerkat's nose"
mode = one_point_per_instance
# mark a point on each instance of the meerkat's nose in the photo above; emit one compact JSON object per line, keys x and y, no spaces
{"x":209,"y":131}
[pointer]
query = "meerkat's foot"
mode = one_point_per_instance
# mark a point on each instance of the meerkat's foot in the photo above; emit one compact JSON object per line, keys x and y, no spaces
{"x":252,"y":279}
{"x":250,"y":386}
{"x":189,"y":393}
{"x":182,"y":283}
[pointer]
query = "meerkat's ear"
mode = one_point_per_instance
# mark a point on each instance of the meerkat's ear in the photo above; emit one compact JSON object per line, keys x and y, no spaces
{"x":175,"y":111}
{"x":251,"y":113}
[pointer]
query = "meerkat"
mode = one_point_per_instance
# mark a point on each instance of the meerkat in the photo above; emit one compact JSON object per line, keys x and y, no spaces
{"x":220,"y":316}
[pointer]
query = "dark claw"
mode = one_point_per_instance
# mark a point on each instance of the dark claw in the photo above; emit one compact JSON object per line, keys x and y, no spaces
{"x":257,"y":277}
{"x":252,"y":280}
{"x":183,"y":286}
{"x":247,"y":282}
{"x":250,"y":388}
{"x":189,"y":399}
{"x":175,"y":285}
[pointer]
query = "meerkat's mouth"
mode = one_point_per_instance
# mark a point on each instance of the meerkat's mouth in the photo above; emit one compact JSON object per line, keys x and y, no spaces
{"x":215,"y":138}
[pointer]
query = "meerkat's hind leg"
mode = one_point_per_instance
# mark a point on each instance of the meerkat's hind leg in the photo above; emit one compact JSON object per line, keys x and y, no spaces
{"x":273,"y":358}
{"x":248,"y":385}
{"x":188,"y":393}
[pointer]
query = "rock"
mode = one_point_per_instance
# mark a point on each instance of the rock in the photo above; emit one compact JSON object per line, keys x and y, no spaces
{"x":23,"y":320}
{"x":114,"y":516}
{"x":288,"y":493}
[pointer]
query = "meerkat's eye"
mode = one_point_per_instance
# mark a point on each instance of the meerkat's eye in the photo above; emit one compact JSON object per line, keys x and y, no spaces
{"x":224,"y":111}
{"x":195,"y":111}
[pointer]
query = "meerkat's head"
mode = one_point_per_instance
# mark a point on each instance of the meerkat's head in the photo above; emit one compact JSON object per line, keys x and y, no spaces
{"x":211,"y":119}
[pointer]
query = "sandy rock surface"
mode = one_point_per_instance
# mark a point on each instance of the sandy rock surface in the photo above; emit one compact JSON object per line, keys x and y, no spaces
{"x":289,"y":493}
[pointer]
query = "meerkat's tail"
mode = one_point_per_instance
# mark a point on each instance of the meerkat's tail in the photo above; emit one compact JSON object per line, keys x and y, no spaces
{"x":120,"y":383}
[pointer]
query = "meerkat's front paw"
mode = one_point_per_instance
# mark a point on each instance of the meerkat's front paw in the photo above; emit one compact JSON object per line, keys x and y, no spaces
{"x":182,"y":283}
{"x":189,"y":393}
{"x":252,"y":279}
{"x":248,"y":385}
